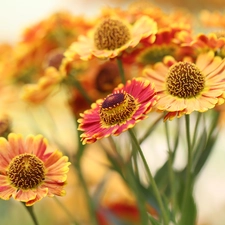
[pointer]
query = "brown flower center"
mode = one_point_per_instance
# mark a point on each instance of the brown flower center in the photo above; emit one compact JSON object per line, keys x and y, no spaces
{"x":107,"y":77}
{"x":111,"y":34}
{"x":26,"y":171}
{"x":117,"y":108}
{"x":185,"y":80}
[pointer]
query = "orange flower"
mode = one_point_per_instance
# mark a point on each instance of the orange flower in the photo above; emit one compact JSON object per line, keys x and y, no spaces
{"x":167,"y":41}
{"x":212,"y":18}
{"x":205,"y":43}
{"x":37,"y":93}
{"x":28,"y":172}
{"x":43,"y":43}
{"x":184,"y":87}
{"x":111,"y":37}
{"x":126,"y":212}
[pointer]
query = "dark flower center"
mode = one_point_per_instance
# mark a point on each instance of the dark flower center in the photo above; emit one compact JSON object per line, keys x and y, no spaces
{"x":111,"y":34}
{"x":26,"y":171}
{"x":185,"y":80}
{"x":117,"y":108}
{"x":107,"y":77}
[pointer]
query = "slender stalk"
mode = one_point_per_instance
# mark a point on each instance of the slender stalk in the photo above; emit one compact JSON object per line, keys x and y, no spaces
{"x":139,"y":197}
{"x":188,"y":183}
{"x":121,"y":70}
{"x":87,"y":195}
{"x":151,"y":129}
{"x":77,"y":166}
{"x":153,"y":183}
{"x":31,"y":212}
{"x":196,"y":129}
{"x":170,"y":169}
{"x":79,"y":87}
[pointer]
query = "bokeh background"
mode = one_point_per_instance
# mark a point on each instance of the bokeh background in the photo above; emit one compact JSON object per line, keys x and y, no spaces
{"x":16,"y":15}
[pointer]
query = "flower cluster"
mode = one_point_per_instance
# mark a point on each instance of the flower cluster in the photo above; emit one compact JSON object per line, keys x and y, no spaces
{"x":119,"y":76}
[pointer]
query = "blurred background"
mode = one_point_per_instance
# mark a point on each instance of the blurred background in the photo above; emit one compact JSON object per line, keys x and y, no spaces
{"x":16,"y":15}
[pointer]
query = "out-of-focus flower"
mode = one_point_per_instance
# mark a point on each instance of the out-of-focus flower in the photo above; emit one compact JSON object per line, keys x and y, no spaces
{"x":119,"y":111}
{"x":175,"y":19}
{"x":112,"y":36}
{"x":207,"y":42}
{"x":211,"y":19}
{"x":166,"y":42}
{"x":29,"y":171}
{"x":125,"y":212}
{"x":96,"y":77}
{"x":184,"y":87}
{"x":43,"y":44}
{"x":97,"y":81}
{"x":37,"y":93}
{"x":5,"y":125}
{"x":193,"y":6}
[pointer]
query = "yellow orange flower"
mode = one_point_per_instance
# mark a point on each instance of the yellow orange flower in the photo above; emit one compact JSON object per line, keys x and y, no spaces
{"x":207,"y":42}
{"x":166,"y":42}
{"x":37,"y":93}
{"x":111,"y":37}
{"x":119,"y":111}
{"x":28,"y":171}
{"x":184,"y":87}
{"x":43,"y":43}
{"x":212,"y":18}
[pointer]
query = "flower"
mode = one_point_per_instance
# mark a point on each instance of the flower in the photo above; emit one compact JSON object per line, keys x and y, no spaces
{"x":126,"y":212}
{"x":184,"y":87}
{"x":205,"y":43}
{"x":28,"y":172}
{"x":119,"y":111}
{"x":38,"y":92}
{"x":211,"y":18}
{"x":167,"y":41}
{"x":111,"y":37}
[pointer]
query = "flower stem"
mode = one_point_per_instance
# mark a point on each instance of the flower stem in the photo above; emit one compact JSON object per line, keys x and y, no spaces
{"x":170,"y":169}
{"x":188,"y":183}
{"x":121,"y":70}
{"x":73,"y":81}
{"x":188,"y":178}
{"x":31,"y":212}
{"x":153,"y":183}
{"x":87,"y":195}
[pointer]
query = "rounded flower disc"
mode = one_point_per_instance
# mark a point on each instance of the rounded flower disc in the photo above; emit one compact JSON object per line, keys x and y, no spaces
{"x":119,"y":111}
{"x":111,"y":37}
{"x":28,"y":172}
{"x":184,"y":87}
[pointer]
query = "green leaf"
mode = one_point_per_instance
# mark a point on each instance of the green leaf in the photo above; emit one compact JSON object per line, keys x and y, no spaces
{"x":205,"y":154}
{"x":189,"y":212}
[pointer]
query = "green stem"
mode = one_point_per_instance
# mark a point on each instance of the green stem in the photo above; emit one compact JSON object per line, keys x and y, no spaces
{"x":153,"y":183}
{"x":77,"y":166}
{"x":170,"y":169}
{"x":188,"y":183}
{"x":121,"y":70}
{"x":139,"y":197}
{"x":31,"y":212}
{"x":79,"y":87}
{"x":196,"y":129}
{"x":88,"y":197}
{"x":151,"y":129}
